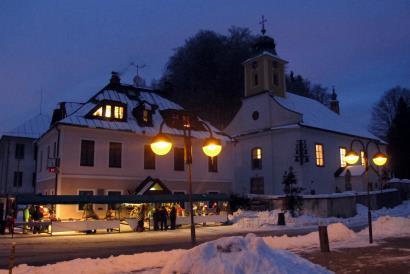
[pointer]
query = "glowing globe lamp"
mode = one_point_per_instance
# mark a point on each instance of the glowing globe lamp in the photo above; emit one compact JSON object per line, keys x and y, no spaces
{"x":161,"y":144}
{"x":379,"y":159}
{"x":351,"y":157}
{"x":212,"y":147}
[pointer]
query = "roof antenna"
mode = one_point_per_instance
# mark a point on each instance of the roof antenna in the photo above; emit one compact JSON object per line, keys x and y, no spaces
{"x":138,"y":67}
{"x":262,"y":22}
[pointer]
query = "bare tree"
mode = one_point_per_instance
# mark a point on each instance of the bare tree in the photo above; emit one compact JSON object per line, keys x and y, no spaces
{"x":385,"y":110}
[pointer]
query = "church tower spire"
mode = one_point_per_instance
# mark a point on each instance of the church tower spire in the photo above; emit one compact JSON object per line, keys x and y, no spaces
{"x":265,"y":71}
{"x":334,"y":103}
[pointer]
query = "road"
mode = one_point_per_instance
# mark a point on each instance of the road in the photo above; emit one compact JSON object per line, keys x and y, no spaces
{"x":45,"y":249}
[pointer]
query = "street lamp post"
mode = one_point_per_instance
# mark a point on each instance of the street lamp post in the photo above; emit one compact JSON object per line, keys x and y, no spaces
{"x":161,"y":144}
{"x":379,"y":159}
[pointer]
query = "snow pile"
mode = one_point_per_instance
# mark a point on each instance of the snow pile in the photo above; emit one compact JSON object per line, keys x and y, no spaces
{"x":250,"y":220}
{"x":151,"y":262}
{"x":336,"y":232}
{"x":248,"y":254}
{"x":387,"y":226}
{"x":397,"y":180}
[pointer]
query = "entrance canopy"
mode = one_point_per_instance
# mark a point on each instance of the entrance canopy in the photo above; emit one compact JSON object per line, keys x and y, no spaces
{"x":24,"y":199}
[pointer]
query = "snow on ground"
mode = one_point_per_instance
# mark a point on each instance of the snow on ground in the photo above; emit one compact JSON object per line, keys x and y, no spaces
{"x":236,"y":254}
{"x":248,"y":254}
{"x":266,"y":220}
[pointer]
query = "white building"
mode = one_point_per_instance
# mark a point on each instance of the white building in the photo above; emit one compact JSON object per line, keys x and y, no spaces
{"x":276,"y":129}
{"x":18,"y":154}
{"x":102,"y":147}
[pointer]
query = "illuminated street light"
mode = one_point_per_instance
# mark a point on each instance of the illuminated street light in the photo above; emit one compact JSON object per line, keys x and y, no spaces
{"x":379,"y":159}
{"x":161,"y":144}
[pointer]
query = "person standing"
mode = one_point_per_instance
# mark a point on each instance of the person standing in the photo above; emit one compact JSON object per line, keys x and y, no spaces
{"x":156,"y":217}
{"x":164,"y":215}
{"x":26,"y":217}
{"x":173,"y":217}
{"x":141,"y":218}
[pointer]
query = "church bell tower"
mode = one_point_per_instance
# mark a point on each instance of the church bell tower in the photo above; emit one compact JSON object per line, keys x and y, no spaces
{"x":265,"y":71}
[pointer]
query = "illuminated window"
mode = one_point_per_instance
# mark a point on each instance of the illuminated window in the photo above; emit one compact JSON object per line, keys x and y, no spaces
{"x":107,"y":111}
{"x":98,"y":112}
{"x":110,"y":110}
{"x":363,"y":158}
{"x":319,"y":155}
{"x":342,"y":157}
{"x":118,"y":112}
{"x":145,"y":116}
{"x":257,"y":158}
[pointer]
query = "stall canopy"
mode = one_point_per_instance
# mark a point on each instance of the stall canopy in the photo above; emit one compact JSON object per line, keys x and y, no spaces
{"x":23,"y":199}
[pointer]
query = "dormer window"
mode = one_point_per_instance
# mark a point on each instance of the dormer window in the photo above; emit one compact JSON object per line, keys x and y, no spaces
{"x":109,"y":110}
{"x":143,"y":115}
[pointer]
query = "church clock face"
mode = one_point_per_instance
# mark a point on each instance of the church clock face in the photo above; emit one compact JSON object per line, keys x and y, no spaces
{"x":255,"y":115}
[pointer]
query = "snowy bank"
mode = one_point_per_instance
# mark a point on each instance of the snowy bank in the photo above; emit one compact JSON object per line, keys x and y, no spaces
{"x":232,"y":255}
{"x":237,"y":254}
{"x":267,"y":220}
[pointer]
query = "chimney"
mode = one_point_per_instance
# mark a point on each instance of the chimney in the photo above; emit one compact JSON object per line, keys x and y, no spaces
{"x":115,"y":78}
{"x":59,"y":113}
{"x":334,"y":103}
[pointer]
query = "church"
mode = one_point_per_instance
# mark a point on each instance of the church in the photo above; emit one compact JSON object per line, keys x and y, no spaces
{"x":102,"y":146}
{"x":275,"y":130}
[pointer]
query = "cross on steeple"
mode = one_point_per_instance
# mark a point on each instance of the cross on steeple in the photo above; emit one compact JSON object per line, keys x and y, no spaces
{"x":262,"y":22}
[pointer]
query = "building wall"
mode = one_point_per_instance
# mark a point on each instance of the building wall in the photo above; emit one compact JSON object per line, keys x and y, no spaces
{"x":9,"y":165}
{"x":72,"y":177}
{"x":270,"y":115}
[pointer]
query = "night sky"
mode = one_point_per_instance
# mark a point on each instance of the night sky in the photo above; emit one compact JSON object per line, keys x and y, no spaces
{"x":53,"y":47}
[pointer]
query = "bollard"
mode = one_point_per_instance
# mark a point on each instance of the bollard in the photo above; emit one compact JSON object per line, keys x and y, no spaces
{"x":281,"y":219}
{"x":12,"y":257}
{"x":323,"y":238}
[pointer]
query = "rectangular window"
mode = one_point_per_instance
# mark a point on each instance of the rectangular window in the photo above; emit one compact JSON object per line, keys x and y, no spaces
{"x":256,"y":158}
{"x":255,"y":79}
{"x":87,"y":153}
{"x":275,"y":79}
{"x":149,"y":158}
{"x":115,"y":155}
{"x":54,"y":150}
{"x":84,"y":193}
{"x":362,"y":158}
{"x":33,"y":180}
{"x":40,"y":166}
{"x":113,"y":206}
{"x":342,"y":156}
{"x":48,"y":152}
{"x":107,"y":111}
{"x":118,"y":112}
{"x":18,"y":179}
{"x":319,"y":155}
{"x":35,"y":152}
{"x":257,"y":185}
{"x":213,"y":164}
{"x":179,"y":163}
{"x":19,"y":153}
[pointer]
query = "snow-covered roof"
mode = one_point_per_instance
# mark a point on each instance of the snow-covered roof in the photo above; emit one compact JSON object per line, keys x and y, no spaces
{"x":32,"y":128}
{"x":316,"y":115}
{"x":71,"y":107}
{"x":132,"y":97}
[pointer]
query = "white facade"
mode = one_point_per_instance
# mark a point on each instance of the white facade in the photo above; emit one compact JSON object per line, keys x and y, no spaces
{"x":63,"y":141}
{"x":280,"y":124}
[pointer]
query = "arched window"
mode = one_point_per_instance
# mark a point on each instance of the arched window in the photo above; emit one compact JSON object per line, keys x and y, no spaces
{"x":256,"y":158}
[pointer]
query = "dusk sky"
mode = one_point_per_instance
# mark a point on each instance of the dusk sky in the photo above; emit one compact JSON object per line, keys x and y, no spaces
{"x":53,"y":47}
